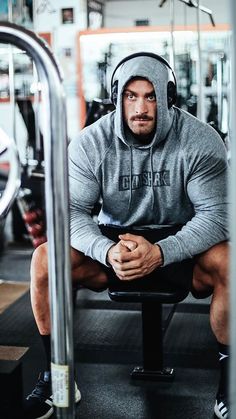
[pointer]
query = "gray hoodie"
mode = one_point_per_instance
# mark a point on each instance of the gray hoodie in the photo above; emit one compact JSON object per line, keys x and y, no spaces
{"x":180,"y":178}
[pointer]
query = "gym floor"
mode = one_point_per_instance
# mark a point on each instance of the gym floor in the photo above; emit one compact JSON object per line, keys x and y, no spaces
{"x":107,"y":342}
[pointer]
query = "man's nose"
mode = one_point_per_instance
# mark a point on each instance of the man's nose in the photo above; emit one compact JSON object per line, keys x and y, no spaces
{"x":141,"y":106}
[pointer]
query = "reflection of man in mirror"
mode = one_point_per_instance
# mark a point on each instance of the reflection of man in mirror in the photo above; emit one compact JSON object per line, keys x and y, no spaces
{"x":67,"y":16}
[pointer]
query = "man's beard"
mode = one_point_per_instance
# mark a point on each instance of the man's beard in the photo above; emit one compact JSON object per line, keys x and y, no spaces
{"x":145,"y":138}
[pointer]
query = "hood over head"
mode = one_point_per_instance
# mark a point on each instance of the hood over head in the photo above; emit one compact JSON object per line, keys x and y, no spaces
{"x":158,"y":74}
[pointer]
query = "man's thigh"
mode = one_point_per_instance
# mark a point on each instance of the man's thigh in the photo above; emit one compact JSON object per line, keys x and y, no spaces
{"x":210,"y":267}
{"x":84,"y":267}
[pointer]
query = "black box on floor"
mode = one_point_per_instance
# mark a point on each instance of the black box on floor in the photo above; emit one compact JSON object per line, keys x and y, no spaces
{"x":11,"y":385}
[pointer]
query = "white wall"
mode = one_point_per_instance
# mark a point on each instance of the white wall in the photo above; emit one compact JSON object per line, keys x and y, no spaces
{"x":123,"y":13}
{"x":64,"y":36}
{"x":47,"y":20}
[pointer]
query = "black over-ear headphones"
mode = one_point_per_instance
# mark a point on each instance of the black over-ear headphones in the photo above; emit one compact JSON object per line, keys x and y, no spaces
{"x":171,"y":85}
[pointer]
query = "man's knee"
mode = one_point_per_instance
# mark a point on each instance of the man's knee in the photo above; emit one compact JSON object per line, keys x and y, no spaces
{"x":39,"y":264}
{"x":84,"y":269}
{"x":40,"y":257}
{"x":77,"y":258}
{"x":87,"y":271}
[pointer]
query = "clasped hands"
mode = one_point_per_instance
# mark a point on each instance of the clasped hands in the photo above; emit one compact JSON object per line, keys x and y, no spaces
{"x":134,"y":257}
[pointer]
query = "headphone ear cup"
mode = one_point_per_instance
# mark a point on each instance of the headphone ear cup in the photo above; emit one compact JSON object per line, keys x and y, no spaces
{"x":171,"y":94}
{"x":114,"y":92}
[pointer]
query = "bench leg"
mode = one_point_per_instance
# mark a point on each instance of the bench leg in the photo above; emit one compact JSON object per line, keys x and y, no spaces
{"x":153,"y":368}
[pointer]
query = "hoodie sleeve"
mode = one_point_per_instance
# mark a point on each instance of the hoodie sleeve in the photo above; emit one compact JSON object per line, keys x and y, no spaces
{"x":207,"y":190}
{"x":84,"y":193}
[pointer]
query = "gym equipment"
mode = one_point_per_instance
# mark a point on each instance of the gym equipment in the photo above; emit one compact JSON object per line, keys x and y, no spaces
{"x":199,"y":8}
{"x":102,"y":73}
{"x":171,"y":85}
{"x":194,"y":4}
{"x":33,"y":217}
{"x":152,"y":337}
{"x":33,"y":151}
{"x":56,"y":191}
{"x":13,"y":181}
{"x":97,"y":109}
{"x":10,"y":357}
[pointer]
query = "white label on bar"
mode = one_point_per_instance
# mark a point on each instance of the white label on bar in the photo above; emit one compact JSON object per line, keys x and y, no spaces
{"x":60,"y":386}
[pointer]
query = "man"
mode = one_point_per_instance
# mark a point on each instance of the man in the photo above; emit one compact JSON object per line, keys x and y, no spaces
{"x":162,"y":176}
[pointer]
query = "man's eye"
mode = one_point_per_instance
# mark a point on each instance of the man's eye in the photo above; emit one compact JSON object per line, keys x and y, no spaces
{"x":152,"y":98}
{"x":130,"y":96}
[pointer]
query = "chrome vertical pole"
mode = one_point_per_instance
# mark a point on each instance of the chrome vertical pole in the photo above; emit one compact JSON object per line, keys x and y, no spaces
{"x":57,"y":210}
{"x":200,"y":103}
{"x":172,"y":27}
{"x":38,"y":144}
{"x":219,"y":81}
{"x":13,"y":182}
{"x":232,"y":189}
{"x":12,"y":75}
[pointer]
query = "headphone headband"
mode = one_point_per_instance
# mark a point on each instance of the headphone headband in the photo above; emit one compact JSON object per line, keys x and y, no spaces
{"x":143,"y":54}
{"x":171,"y":85}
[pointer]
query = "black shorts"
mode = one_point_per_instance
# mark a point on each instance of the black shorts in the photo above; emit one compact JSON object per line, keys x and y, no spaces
{"x":176,"y":275}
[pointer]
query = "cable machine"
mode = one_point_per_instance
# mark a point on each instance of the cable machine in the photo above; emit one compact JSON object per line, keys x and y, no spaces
{"x":199,"y":8}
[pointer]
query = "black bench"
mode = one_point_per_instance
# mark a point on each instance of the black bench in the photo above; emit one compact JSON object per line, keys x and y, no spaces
{"x":152,"y":335}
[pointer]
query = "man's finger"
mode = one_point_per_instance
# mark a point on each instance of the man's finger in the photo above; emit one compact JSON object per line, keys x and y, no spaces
{"x":126,"y":256}
{"x":126,"y":266}
{"x":130,"y":277}
{"x":131,"y":245}
{"x":125,"y":275}
{"x":129,"y":236}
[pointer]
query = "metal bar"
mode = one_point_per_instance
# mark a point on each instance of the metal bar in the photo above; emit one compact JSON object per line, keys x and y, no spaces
{"x":200,"y":102}
{"x":10,"y":10}
{"x":13,"y":182}
{"x":203,"y":9}
{"x":38,"y":145}
{"x":12,"y":89}
{"x":12,"y":75}
{"x":172,"y":24}
{"x":219,"y":80}
{"x":56,"y":191}
{"x":232,"y":228}
{"x":191,"y":3}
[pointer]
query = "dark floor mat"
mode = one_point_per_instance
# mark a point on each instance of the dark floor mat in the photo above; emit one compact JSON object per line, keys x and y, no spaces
{"x":104,"y":336}
{"x":190,"y":341}
{"x":115,"y":335}
{"x":17,"y":324}
{"x":15,"y":263}
{"x":111,"y":335}
{"x":108,"y":392}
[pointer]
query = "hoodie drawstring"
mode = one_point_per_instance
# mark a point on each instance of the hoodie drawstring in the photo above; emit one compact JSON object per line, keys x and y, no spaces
{"x":130,"y":177}
{"x":152,"y":179}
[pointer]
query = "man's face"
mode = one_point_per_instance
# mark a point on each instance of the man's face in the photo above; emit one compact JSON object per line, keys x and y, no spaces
{"x":140,"y":107}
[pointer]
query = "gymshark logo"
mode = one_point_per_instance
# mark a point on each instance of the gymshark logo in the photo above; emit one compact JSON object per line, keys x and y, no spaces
{"x":154,"y":179}
{"x":223,"y":356}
